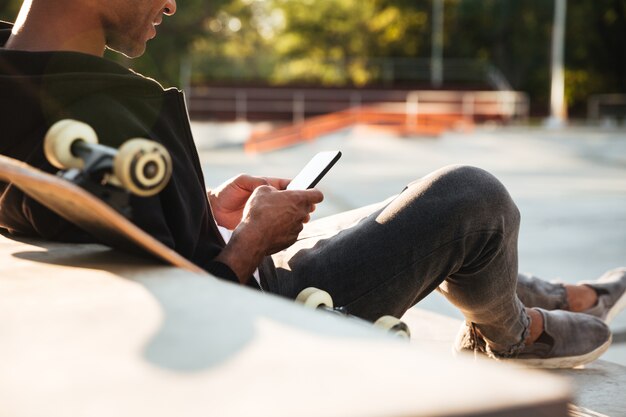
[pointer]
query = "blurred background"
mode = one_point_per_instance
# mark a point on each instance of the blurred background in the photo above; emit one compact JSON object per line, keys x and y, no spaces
{"x":390,"y":44}
{"x":532,"y":90}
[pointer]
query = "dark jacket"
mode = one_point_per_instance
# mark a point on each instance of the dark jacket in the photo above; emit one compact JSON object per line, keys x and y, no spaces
{"x":39,"y":88}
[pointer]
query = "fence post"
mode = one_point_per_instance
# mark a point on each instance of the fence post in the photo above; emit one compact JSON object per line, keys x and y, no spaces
{"x":388,"y":72}
{"x":355,"y":100}
{"x":412,"y":111}
{"x":469,"y":102}
{"x":436,"y":60}
{"x":558,"y":106}
{"x":241,"y":105}
{"x":298,"y":107}
{"x":593,"y":108}
{"x":355,"y":106}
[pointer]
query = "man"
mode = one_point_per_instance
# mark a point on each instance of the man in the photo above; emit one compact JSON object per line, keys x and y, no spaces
{"x":455,"y":230}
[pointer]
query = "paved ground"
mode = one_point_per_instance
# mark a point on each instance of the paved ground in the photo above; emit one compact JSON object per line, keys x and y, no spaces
{"x":570,"y":186}
{"x":90,"y":332}
{"x":598,"y":387}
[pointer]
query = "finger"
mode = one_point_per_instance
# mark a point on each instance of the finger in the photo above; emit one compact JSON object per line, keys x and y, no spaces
{"x":264,"y":189}
{"x":278,"y":183}
{"x":305,"y":197}
{"x":306,"y":219}
{"x":312,"y":208}
{"x":250,"y":182}
{"x":314,"y":196}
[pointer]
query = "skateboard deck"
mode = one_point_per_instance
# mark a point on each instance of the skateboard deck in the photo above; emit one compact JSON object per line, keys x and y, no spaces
{"x":87,"y":212}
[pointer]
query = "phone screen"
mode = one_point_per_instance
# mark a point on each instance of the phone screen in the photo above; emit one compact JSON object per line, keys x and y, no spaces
{"x":313,"y":172}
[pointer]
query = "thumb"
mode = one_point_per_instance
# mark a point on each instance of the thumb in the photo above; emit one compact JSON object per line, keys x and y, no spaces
{"x":250,"y":183}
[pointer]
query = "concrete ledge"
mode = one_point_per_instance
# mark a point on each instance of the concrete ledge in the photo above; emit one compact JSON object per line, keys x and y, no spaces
{"x":87,"y":331}
{"x":598,"y":387}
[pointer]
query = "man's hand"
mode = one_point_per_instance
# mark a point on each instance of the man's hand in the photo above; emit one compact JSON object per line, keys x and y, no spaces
{"x":271,"y":221}
{"x":229,"y":199}
{"x":275,"y":218}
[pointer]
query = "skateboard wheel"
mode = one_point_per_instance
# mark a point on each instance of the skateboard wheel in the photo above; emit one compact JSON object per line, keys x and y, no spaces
{"x":57,"y":144}
{"x":314,"y":298}
{"x":142,"y":166}
{"x":394,"y":326}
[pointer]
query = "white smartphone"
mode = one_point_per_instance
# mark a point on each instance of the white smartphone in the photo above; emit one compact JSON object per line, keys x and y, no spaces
{"x":313,"y":172}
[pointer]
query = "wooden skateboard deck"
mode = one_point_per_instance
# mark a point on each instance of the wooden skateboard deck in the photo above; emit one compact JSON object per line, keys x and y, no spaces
{"x":87,"y":212}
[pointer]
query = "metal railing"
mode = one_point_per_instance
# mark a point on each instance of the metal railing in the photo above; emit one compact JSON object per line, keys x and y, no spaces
{"x":298,"y":104}
{"x":601,"y":106}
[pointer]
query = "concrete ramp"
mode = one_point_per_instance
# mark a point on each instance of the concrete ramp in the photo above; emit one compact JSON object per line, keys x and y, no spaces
{"x":599,"y":387}
{"x":87,"y":331}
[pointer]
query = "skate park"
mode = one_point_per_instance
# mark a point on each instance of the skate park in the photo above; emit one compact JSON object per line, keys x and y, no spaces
{"x":89,"y":330}
{"x":79,"y":299}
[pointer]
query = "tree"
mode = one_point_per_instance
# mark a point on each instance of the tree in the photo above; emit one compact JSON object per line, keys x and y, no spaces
{"x":334,"y":42}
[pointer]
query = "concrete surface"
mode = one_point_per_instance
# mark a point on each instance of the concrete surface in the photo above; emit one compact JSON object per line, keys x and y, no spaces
{"x":86,"y":331}
{"x":570,"y":186}
{"x":598,"y":387}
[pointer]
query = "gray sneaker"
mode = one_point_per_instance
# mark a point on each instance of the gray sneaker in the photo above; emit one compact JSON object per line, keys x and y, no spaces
{"x":569,"y":340}
{"x":611,"y":290}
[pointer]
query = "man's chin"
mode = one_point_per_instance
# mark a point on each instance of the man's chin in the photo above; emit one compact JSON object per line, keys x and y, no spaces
{"x":134,"y":53}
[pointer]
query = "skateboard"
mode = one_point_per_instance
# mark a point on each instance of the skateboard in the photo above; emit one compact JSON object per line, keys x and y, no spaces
{"x":315,"y":298}
{"x":93,"y":188}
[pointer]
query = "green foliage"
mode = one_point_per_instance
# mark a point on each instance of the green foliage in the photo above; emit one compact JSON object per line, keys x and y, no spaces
{"x":237,"y":43}
{"x":9,"y":9}
{"x":331,"y":41}
{"x":596,"y":49}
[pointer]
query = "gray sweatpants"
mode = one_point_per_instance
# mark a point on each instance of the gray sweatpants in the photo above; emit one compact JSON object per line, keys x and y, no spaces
{"x":455,"y":230}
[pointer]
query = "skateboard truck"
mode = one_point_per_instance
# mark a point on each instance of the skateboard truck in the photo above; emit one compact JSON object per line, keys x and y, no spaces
{"x":140,"y":166}
{"x":321,"y":300}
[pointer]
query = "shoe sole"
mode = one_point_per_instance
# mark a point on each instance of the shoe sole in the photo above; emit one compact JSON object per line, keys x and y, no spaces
{"x":562,"y":362}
